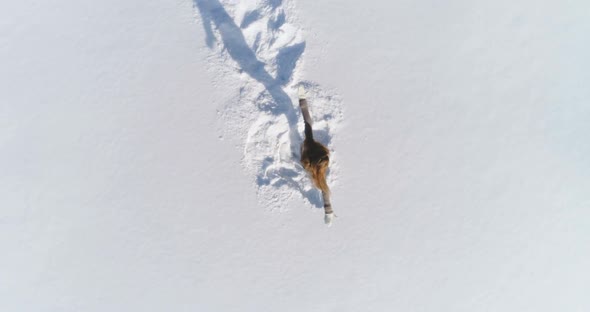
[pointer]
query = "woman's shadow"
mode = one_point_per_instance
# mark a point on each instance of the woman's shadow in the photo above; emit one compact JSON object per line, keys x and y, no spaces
{"x":213,"y":13}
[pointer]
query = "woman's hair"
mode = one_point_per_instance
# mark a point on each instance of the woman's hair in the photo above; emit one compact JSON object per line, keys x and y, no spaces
{"x":315,"y":159}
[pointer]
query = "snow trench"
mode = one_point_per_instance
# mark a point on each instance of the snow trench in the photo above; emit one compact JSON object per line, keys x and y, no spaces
{"x":257,"y":48}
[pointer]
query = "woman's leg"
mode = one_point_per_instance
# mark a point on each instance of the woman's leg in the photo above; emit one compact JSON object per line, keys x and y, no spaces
{"x":305,"y":111}
{"x":327,"y":203}
{"x":308,"y":132}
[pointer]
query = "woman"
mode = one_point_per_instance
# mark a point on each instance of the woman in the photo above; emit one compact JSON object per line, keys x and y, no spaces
{"x":315,"y":158}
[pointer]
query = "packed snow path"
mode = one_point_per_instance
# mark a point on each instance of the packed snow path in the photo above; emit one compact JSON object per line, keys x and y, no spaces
{"x":263,"y":54}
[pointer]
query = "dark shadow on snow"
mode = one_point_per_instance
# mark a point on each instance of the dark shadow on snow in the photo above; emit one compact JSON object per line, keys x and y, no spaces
{"x":250,"y":18}
{"x":286,"y":61}
{"x":213,"y":14}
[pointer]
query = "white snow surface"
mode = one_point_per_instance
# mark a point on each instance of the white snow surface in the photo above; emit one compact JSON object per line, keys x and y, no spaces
{"x":148,"y":155}
{"x":257,"y":49}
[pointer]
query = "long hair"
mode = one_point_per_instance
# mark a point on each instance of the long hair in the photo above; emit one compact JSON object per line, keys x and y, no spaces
{"x":315,"y":158}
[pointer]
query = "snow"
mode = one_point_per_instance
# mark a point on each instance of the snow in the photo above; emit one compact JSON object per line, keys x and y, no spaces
{"x":262,"y":54}
{"x":147,"y":155}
